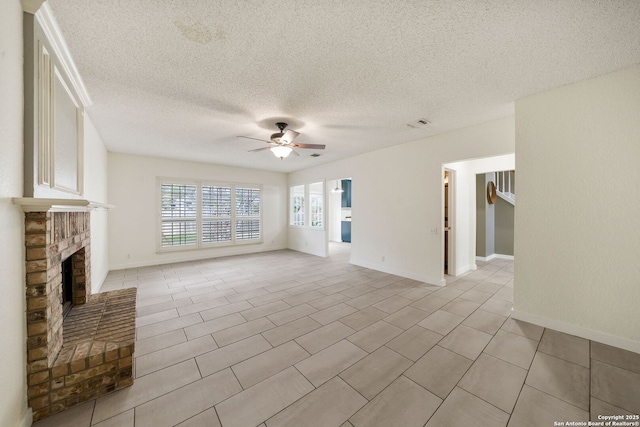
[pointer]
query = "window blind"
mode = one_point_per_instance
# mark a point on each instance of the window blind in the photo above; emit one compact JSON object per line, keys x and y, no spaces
{"x":201,"y":214}
{"x":178,"y":212}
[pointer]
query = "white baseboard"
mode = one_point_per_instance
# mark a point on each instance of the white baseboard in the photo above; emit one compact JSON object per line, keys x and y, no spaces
{"x":578,"y":331}
{"x":321,"y":254}
{"x":465,"y":269}
{"x":408,"y":275}
{"x":494,"y":256}
{"x":195,"y":256}
{"x":27,"y":419}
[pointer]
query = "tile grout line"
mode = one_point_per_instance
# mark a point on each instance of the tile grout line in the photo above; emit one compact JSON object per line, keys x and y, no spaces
{"x":525,"y":379}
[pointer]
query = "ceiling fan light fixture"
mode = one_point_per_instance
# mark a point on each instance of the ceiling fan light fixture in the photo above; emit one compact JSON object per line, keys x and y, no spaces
{"x":281,"y":143}
{"x":281,"y":151}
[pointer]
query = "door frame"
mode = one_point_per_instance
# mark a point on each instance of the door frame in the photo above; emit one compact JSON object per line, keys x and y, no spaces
{"x":451,"y":220}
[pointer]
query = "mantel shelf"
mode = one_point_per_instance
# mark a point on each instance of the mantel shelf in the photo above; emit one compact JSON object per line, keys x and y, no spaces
{"x":31,"y":204}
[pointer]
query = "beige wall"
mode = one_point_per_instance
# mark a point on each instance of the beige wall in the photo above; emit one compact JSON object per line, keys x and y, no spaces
{"x":485,"y":219}
{"x":577,"y":245}
{"x":13,"y":407}
{"x":504,"y":227}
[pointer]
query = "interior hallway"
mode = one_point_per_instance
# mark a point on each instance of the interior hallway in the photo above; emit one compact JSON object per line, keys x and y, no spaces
{"x":289,"y":339}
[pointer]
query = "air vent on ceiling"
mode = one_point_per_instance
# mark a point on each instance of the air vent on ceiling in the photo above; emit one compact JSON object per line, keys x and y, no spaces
{"x":420,"y":123}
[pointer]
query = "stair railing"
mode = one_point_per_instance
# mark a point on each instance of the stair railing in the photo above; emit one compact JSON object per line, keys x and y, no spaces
{"x":506,"y":185}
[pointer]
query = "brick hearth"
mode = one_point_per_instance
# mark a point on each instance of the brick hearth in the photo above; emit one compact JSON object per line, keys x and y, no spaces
{"x":88,"y":354}
{"x":97,"y":354}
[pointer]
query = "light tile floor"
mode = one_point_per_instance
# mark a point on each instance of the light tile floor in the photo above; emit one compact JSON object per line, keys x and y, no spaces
{"x":288,"y":339}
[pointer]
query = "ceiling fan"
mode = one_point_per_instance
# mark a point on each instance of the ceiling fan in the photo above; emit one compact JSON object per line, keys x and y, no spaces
{"x":281,"y":143}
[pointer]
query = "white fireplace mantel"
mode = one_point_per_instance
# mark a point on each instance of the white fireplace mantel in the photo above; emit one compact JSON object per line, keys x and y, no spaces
{"x":37,"y":204}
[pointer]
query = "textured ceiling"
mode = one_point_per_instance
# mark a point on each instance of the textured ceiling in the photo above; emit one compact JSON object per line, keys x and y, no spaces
{"x":183,"y":78}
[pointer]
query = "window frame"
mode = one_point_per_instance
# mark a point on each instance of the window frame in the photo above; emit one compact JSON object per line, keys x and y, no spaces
{"x":161,"y":219}
{"x":314,"y":197}
{"x":214,"y":218}
{"x":237,"y":217}
{"x":307,"y":212}
{"x":294,"y":215}
{"x":201,"y":218}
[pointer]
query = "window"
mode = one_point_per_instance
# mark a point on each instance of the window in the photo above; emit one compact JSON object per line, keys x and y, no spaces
{"x":216,"y":214}
{"x":178,"y":212}
{"x":297,"y":205}
{"x":247,"y":213}
{"x":316,"y":198}
{"x":309,"y":214}
{"x":201,"y":214}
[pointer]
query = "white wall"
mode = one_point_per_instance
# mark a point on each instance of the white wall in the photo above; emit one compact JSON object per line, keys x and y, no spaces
{"x":95,"y":189}
{"x":13,"y":394}
{"x":578,"y":243}
{"x":133,"y":224}
{"x":464,"y":225}
{"x":308,"y":240}
{"x":393,"y":212}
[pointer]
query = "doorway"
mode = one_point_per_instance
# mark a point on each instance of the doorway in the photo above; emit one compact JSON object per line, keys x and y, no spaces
{"x":339,"y":223}
{"x":495,"y":211}
{"x":448,"y":222}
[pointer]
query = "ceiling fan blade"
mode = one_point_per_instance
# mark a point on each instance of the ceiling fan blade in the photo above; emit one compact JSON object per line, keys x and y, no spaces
{"x":289,"y":136}
{"x":314,"y":146}
{"x":257,"y":139}
{"x":259,"y":149}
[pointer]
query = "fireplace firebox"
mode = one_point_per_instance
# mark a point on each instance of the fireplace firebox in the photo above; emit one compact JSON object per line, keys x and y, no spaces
{"x":67,"y":286}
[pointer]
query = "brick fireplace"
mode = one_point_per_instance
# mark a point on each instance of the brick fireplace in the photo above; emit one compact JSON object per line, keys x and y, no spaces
{"x":88,"y":353}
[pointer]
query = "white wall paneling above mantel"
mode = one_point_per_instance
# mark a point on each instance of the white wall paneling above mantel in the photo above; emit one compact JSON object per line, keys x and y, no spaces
{"x":54,"y":110}
{"x":60,"y":128}
{"x":60,"y":131}
{"x":66,"y":137}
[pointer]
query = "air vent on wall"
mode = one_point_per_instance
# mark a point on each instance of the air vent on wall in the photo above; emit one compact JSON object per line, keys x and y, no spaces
{"x":420,"y":123}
